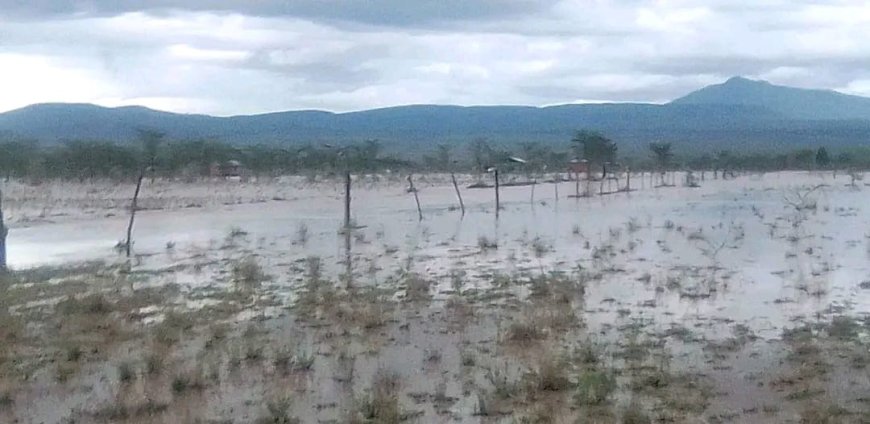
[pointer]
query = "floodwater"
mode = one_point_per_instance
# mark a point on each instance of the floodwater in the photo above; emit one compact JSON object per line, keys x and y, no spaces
{"x":757,"y":254}
{"x":770,"y":270}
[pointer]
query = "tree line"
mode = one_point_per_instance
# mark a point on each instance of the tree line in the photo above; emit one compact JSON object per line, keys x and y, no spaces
{"x":193,"y":158}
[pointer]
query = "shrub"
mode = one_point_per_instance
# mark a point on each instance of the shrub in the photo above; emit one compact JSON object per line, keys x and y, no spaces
{"x":594,"y":387}
{"x":247,"y":271}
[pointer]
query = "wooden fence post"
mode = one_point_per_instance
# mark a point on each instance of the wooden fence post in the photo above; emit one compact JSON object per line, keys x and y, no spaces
{"x":133,"y":207}
{"x":497,"y":200}
{"x":556,"y":185}
{"x":532,"y":199}
{"x":347,"y":200}
{"x":576,"y":184}
{"x":416,"y":197}
{"x":458,"y":194}
{"x":3,"y":232}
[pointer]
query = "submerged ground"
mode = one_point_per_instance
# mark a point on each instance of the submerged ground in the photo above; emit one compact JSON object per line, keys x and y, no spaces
{"x":742,"y":300}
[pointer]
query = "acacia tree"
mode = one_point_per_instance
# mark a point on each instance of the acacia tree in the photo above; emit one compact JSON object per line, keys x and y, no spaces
{"x":597,"y":149}
{"x":442,"y":157}
{"x":663,"y":156}
{"x":367,"y":155}
{"x":804,"y":158}
{"x":723,"y":161}
{"x":481,"y":153}
{"x":823,"y":159}
{"x":17,"y":157}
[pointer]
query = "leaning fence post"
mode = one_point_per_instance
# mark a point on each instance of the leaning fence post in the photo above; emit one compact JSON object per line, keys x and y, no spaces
{"x":416,"y":197}
{"x":458,"y":194}
{"x":133,"y":206}
{"x":3,"y":232}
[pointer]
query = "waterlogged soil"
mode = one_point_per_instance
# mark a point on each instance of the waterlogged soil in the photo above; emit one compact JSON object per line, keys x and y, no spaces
{"x":742,"y":300}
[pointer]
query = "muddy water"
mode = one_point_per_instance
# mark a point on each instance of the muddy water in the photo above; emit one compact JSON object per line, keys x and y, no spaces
{"x":709,"y":259}
{"x":765,"y":276}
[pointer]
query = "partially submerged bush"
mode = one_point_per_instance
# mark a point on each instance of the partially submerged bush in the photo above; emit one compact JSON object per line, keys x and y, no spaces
{"x":635,"y":414}
{"x":95,"y":304}
{"x":524,"y":332}
{"x":484,"y":243}
{"x":278,"y":411}
{"x":126,"y":373}
{"x":823,"y":413}
{"x":302,"y":234}
{"x":417,"y":287}
{"x":247,"y":271}
{"x":182,"y":383}
{"x":381,"y":403}
{"x":594,"y":387}
{"x":118,"y":412}
{"x":505,"y":387}
{"x":169,"y":331}
{"x":551,"y":375}
{"x":844,"y":328}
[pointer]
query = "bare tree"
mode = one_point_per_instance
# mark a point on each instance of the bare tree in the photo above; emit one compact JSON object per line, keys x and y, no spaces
{"x":802,"y":198}
{"x":150,"y":141}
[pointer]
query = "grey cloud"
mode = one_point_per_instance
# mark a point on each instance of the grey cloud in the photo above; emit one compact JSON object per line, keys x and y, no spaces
{"x":558,"y":93}
{"x":399,"y":13}
{"x":339,"y":71}
{"x":254,"y":56}
{"x":746,"y":65}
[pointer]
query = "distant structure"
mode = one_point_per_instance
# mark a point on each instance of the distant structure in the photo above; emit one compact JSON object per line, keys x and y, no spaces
{"x":231,"y":169}
{"x":577,"y":167}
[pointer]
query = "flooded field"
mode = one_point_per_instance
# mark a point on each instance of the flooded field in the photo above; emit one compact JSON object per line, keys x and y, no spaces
{"x":742,"y":300}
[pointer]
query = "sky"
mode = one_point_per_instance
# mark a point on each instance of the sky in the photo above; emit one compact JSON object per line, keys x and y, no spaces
{"x":231,"y":57}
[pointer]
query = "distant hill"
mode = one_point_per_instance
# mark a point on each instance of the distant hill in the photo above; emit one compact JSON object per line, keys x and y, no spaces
{"x":738,"y":114}
{"x":789,"y":102}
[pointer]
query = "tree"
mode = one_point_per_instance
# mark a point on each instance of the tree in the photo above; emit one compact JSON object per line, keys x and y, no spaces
{"x":150,"y":141}
{"x":597,"y":149}
{"x":822,"y":158}
{"x":662,"y":155}
{"x":442,"y":157}
{"x":844,"y":159}
{"x":804,"y":158}
{"x":369,"y":153}
{"x":360,"y":157}
{"x":17,"y":158}
{"x":90,"y":159}
{"x":481,"y":153}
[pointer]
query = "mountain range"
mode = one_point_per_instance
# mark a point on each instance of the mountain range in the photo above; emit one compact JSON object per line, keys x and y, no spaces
{"x":737,"y":114}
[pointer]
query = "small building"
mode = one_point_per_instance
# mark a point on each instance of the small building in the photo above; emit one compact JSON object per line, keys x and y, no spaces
{"x":228,"y":169}
{"x":232,"y":168}
{"x":577,"y":167}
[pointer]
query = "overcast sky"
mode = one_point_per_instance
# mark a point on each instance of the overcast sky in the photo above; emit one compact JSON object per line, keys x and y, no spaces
{"x":228,"y":57}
